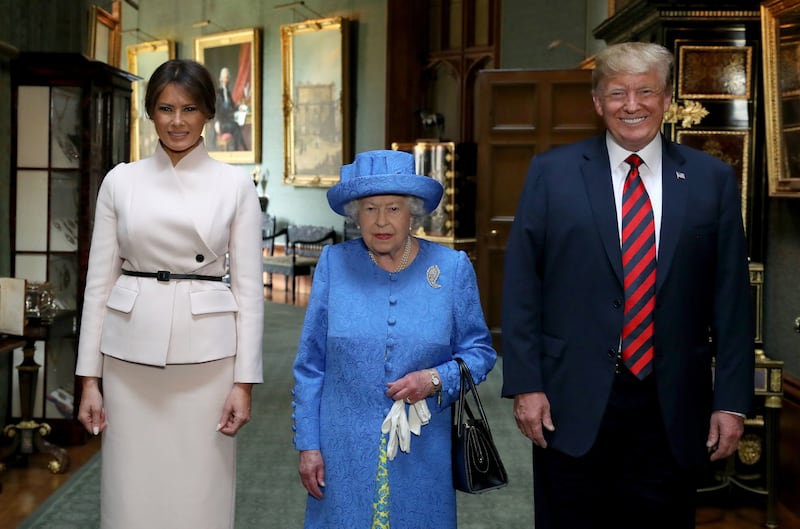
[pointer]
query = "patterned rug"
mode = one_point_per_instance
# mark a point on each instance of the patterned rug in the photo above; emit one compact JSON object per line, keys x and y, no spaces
{"x":269,"y":494}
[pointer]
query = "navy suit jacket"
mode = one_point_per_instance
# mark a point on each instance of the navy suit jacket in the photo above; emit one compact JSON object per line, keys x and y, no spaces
{"x":563,"y":296}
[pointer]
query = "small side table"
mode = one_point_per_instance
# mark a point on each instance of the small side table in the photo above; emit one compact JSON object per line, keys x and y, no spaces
{"x":27,"y":436}
{"x":7,"y":345}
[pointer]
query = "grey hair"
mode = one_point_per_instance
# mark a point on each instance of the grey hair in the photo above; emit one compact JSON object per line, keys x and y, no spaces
{"x":633,"y":58}
{"x":415,"y":205}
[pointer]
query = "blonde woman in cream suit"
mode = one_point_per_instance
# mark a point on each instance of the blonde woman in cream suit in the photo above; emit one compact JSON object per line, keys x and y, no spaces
{"x":168,"y":363}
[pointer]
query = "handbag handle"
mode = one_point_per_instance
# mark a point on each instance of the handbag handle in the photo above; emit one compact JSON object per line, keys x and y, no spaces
{"x":466,"y":379}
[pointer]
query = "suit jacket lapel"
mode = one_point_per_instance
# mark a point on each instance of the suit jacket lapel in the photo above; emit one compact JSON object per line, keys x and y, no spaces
{"x":675,"y":189}
{"x":600,"y":191}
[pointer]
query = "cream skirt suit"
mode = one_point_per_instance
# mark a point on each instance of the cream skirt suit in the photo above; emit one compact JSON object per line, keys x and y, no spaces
{"x":169,"y":352}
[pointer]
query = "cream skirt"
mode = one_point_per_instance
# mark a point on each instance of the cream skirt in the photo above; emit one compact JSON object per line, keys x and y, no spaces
{"x":164,"y":465}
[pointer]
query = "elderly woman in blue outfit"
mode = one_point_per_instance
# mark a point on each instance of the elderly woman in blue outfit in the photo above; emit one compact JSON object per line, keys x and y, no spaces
{"x":388,"y":313}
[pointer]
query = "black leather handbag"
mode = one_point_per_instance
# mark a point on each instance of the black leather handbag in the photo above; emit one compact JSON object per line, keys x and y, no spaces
{"x":477,"y":466}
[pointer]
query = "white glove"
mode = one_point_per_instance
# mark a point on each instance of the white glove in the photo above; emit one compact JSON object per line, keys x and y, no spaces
{"x":399,"y":426}
{"x":396,"y":425}
{"x":418,"y":416}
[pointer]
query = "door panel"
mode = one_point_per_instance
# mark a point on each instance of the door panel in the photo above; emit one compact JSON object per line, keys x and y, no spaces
{"x":520,"y":113}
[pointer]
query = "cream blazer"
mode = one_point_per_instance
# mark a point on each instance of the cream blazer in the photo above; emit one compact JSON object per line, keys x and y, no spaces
{"x":151,"y":216}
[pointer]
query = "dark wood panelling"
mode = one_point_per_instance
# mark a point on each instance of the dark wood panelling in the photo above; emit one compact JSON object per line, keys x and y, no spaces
{"x":789,"y":439}
{"x":521,"y":113}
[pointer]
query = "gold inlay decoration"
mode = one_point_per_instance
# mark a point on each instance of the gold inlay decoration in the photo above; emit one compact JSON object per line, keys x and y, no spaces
{"x":775,"y":380}
{"x":690,"y":113}
{"x":750,"y":449}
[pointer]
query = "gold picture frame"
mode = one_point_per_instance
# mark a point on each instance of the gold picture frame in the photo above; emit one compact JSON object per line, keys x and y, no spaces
{"x":143,"y":59}
{"x":105,"y":34}
{"x":316,"y":101}
{"x":234,"y":135}
{"x":780,"y":37}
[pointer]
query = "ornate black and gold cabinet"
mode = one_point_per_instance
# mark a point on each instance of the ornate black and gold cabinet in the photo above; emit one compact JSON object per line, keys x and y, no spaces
{"x":71,"y":124}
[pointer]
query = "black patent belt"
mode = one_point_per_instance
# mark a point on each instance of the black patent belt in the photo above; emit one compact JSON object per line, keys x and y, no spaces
{"x":166,"y":275}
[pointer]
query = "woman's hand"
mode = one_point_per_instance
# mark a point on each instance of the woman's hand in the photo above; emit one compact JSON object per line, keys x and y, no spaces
{"x":236,"y":412}
{"x":413,"y":387}
{"x":91,"y":413}
{"x":312,"y":472}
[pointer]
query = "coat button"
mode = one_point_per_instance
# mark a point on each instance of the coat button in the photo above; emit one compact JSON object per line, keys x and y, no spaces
{"x":199,"y":258}
{"x":617,"y":303}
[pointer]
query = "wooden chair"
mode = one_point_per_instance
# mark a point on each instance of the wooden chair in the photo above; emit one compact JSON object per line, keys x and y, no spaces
{"x":351,"y":230}
{"x":303,"y":246}
{"x":268,"y":235}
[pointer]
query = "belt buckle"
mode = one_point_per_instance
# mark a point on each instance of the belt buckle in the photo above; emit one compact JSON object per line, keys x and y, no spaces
{"x":162,"y":275}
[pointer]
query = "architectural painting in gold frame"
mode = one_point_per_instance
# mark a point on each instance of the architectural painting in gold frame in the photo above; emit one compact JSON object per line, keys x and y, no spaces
{"x":143,"y":59}
{"x":316,"y":101}
{"x":234,"y":135}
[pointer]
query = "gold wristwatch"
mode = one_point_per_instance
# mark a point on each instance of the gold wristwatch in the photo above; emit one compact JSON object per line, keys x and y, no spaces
{"x":437,"y":383}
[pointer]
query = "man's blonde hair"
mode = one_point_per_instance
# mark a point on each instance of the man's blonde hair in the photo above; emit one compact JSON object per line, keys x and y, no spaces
{"x":633,"y":58}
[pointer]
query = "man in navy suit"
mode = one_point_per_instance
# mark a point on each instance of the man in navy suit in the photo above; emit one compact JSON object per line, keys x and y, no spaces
{"x":611,"y":373}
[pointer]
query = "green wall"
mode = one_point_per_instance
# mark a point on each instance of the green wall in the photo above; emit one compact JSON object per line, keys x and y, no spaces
{"x":173,"y":20}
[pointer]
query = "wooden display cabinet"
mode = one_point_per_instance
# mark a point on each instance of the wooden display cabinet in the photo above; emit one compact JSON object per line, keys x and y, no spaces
{"x":70,"y":125}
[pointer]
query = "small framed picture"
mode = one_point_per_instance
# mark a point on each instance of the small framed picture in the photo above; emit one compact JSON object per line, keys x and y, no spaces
{"x":105,"y":34}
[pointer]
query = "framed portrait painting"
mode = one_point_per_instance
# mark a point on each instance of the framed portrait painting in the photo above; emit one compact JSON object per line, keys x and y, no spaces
{"x":316,"y":98}
{"x":143,"y":59}
{"x":233,"y":58}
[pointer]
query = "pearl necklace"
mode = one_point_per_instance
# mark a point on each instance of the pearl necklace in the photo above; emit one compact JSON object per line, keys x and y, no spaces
{"x":403,"y":260}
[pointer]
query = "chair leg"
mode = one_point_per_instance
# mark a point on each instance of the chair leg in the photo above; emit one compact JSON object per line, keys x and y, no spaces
{"x":294,"y":280}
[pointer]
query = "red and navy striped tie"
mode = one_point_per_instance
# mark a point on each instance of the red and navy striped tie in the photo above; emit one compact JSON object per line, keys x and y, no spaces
{"x":639,"y":273}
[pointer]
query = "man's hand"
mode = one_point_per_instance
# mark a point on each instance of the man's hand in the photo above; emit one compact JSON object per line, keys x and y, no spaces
{"x":532,"y":413}
{"x":724,"y":433}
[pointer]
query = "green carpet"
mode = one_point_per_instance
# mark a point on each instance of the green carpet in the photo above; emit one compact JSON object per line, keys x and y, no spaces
{"x":269,"y":494}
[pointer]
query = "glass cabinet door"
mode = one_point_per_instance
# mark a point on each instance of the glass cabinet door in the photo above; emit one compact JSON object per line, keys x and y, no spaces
{"x":71,"y":126}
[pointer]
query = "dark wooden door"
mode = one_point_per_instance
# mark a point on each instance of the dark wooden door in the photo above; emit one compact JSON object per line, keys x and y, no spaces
{"x":520,"y":113}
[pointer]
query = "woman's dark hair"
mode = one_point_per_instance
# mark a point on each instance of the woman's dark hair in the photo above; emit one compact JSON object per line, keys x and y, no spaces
{"x":189,"y":75}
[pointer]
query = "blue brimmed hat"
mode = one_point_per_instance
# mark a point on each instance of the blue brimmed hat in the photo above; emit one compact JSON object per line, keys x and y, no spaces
{"x":383,"y":173}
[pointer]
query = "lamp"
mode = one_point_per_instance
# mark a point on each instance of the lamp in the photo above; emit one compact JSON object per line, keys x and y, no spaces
{"x":431,"y":121}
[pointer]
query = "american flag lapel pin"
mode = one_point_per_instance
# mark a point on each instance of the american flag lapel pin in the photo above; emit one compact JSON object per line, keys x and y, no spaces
{"x":680,"y":176}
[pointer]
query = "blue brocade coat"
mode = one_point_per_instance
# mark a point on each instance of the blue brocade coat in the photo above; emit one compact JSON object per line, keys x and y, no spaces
{"x":365,"y":327}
